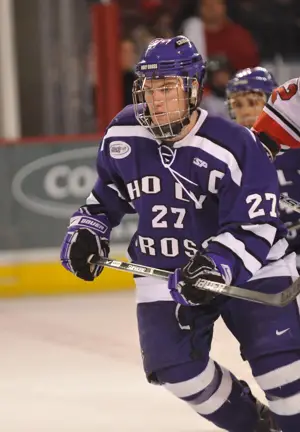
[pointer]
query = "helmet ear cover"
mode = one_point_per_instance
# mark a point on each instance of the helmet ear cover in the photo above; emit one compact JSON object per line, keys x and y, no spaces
{"x":195,"y":94}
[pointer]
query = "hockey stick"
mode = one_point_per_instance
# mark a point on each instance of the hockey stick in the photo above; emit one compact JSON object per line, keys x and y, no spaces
{"x":290,"y":202}
{"x":280,"y":299}
{"x":295,"y":227}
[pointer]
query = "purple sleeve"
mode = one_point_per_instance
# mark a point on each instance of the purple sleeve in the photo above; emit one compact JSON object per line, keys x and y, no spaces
{"x":109,"y":195}
{"x":251,"y":232}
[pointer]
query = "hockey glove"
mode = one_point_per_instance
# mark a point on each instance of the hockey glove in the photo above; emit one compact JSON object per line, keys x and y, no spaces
{"x":86,"y":235}
{"x":182,"y":283}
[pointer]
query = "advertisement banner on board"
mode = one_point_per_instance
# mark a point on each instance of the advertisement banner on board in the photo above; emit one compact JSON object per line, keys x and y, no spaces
{"x":42,"y":185}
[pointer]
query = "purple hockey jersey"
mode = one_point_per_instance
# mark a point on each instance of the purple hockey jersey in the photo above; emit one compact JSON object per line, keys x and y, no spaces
{"x":288,"y":171}
{"x":215,"y":190}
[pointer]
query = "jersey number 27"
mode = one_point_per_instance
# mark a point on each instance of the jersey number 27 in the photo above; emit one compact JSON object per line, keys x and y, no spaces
{"x":255,"y":200}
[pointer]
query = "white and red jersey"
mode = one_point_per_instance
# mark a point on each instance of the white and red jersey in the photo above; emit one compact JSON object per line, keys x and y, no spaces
{"x":280,"y":118}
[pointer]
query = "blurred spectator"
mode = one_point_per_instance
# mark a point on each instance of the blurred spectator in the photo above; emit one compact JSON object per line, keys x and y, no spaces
{"x":148,"y":6}
{"x":141,"y":36}
{"x":128,"y":61}
{"x":193,"y":28}
{"x":225,"y":37}
{"x":155,"y":22}
{"x":210,"y":22}
{"x":269,"y":20}
{"x":161,"y":23}
{"x":219,"y":72}
{"x":186,"y":9}
{"x":187,"y":22}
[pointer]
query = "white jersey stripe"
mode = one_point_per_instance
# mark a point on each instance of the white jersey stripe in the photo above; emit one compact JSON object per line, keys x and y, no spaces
{"x":280,"y":122}
{"x":283,"y":267}
{"x":218,"y":152}
{"x":265,"y":231}
{"x":278,"y":250}
{"x":128,"y":131}
{"x":238,"y":247}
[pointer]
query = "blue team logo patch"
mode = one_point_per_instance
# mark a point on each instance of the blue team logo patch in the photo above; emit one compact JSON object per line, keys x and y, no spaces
{"x":119,"y":149}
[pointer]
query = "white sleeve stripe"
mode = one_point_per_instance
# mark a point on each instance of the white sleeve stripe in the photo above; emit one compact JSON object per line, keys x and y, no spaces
{"x":280,"y":122}
{"x":278,"y":250}
{"x":238,"y":247}
{"x":218,"y":152}
{"x":265,"y":231}
{"x":91,"y":199}
{"x":284,"y":267}
{"x":114,"y":187}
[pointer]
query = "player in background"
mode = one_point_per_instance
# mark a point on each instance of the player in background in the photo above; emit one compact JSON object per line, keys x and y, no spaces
{"x":254,"y":93}
{"x":247,"y":93}
{"x":206,"y":196}
{"x":280,"y":116}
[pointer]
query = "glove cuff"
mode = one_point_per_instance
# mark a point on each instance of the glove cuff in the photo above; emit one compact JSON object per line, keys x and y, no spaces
{"x":99,"y":224}
{"x":223,"y":267}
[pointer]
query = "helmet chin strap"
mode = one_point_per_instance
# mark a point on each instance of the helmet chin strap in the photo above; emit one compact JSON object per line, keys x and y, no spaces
{"x":174,"y":128}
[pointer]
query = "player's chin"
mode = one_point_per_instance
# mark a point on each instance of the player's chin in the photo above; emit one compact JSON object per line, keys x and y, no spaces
{"x":247,"y":123}
{"x":164,"y":120}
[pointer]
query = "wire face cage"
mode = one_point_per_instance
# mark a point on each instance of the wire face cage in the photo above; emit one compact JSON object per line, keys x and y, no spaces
{"x":164,"y":105}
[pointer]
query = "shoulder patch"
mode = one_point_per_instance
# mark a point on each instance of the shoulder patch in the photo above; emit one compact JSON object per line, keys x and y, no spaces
{"x":119,"y":149}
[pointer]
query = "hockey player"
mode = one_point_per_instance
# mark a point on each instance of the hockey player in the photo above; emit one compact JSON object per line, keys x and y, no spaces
{"x":254,"y":96}
{"x":206,"y":196}
{"x":247,"y":93}
{"x":280,"y":116}
{"x":280,"y":121}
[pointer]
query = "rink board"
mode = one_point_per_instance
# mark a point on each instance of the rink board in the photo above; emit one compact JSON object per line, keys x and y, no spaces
{"x":21,"y":277}
{"x":42,"y":183}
